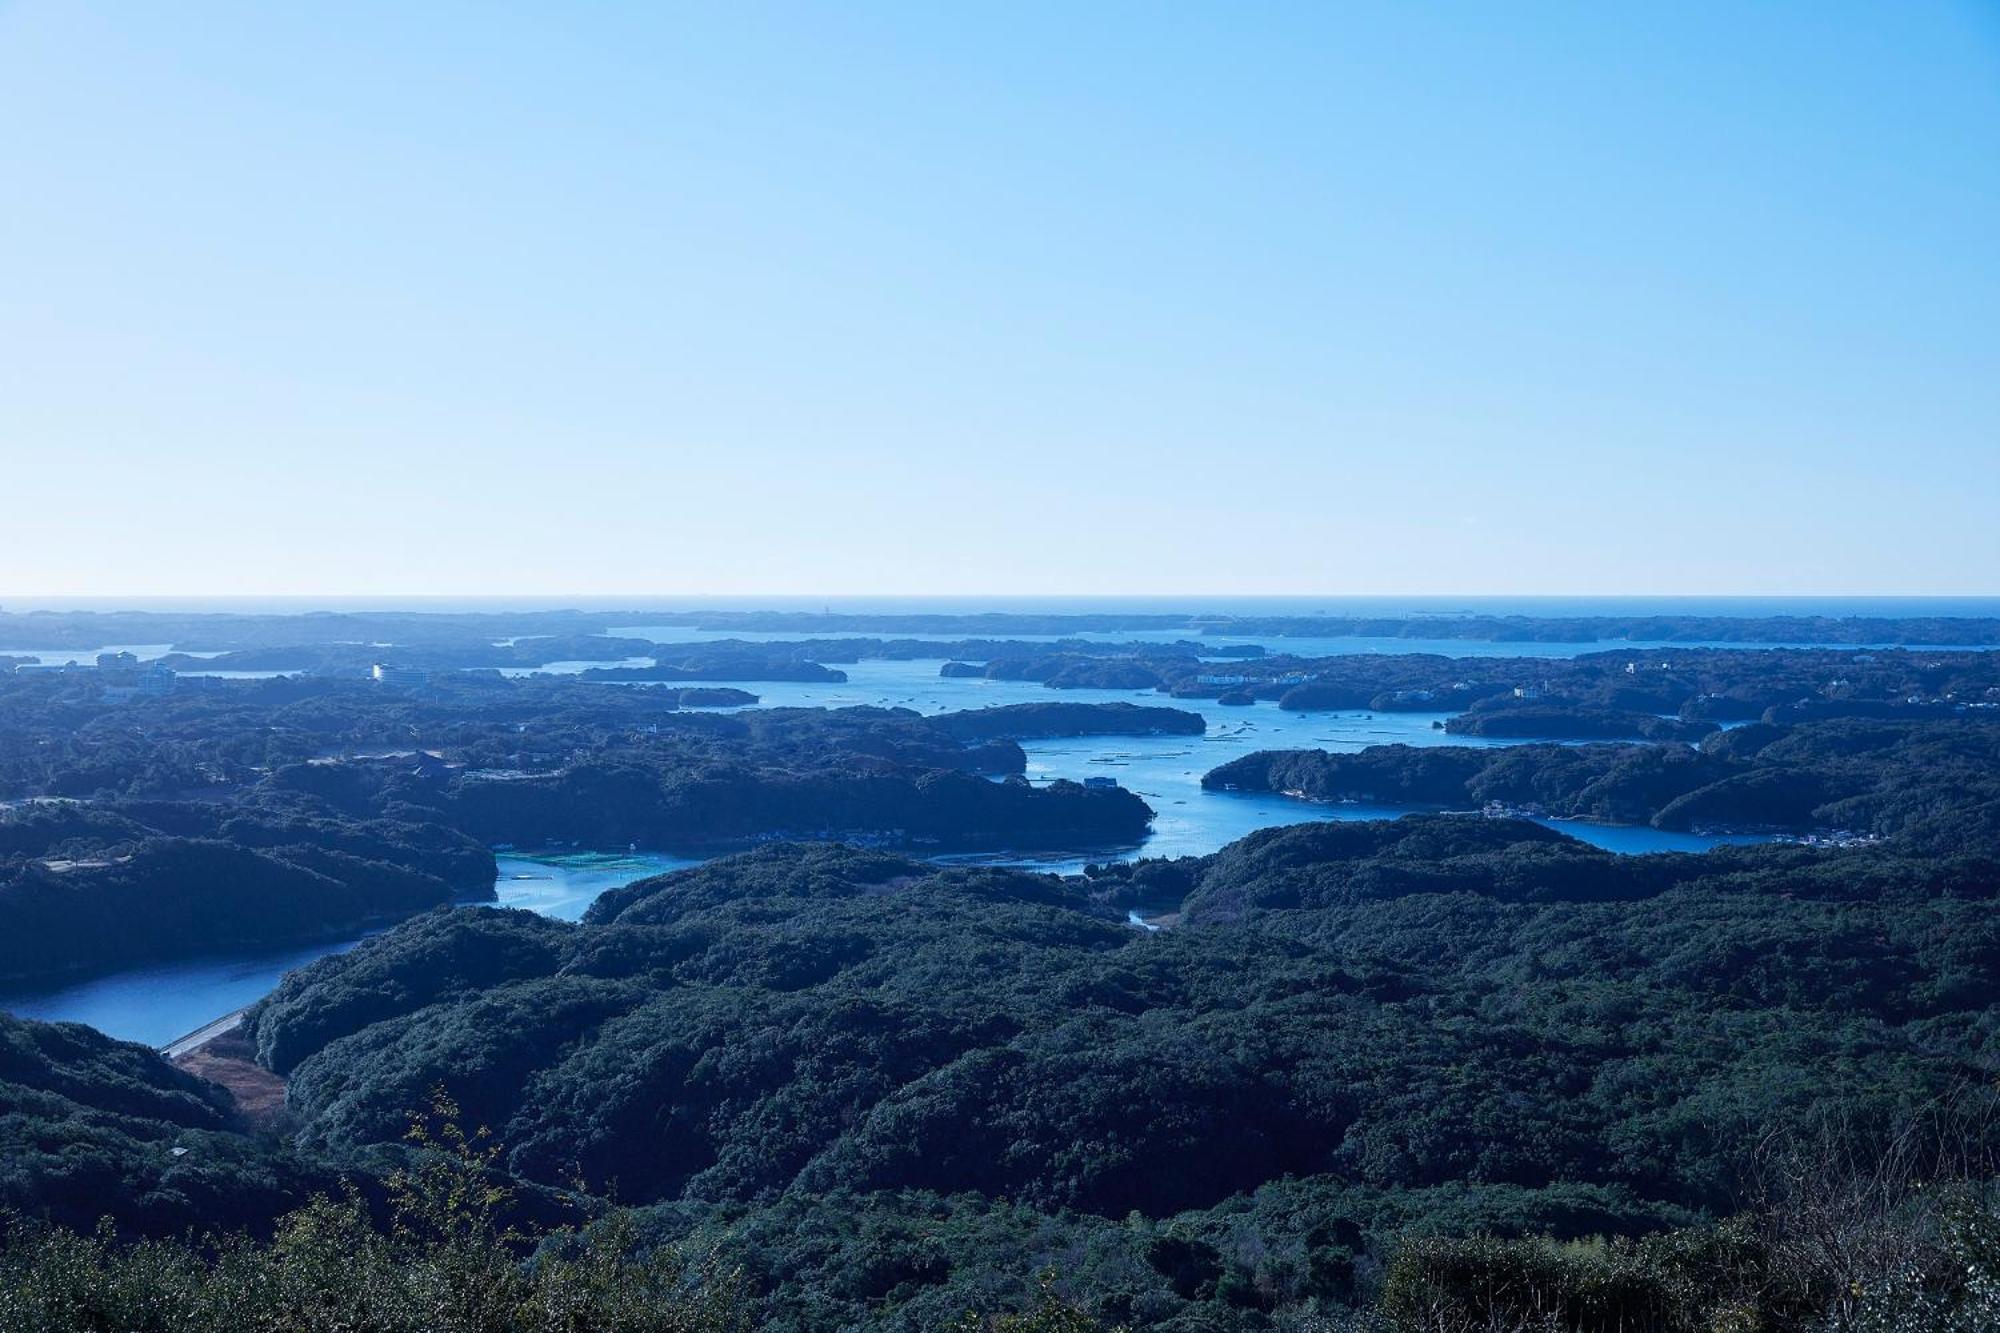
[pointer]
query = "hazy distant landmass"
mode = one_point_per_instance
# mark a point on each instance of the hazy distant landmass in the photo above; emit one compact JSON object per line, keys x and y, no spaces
{"x":562,"y":632}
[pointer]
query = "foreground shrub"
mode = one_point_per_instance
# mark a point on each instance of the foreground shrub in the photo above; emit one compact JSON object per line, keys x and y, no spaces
{"x":329,"y":1269}
{"x":1925,"y":1263}
{"x":1705,"y":1280}
{"x":449,"y":1263}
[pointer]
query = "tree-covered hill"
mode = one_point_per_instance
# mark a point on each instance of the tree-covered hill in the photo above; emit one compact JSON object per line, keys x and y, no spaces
{"x":91,"y":1127}
{"x":91,"y":886}
{"x":1396,"y":1008}
{"x":892,"y":1092}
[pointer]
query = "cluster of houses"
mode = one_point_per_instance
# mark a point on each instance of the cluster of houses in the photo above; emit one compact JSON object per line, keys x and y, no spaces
{"x":122,"y":674}
{"x":1288,"y":678}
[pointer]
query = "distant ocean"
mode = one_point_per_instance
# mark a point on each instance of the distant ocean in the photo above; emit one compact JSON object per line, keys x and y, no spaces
{"x":1191,"y":605}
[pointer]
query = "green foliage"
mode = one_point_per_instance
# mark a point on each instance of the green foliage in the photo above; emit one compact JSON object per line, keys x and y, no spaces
{"x":90,"y":1126}
{"x":449,"y":1263}
{"x":1051,"y":1314}
{"x":146,"y":893}
{"x":1931,"y":1265}
{"x":243,"y":816}
{"x":1697,"y":1281}
{"x":1396,"y":1005}
{"x":1933,"y":780}
{"x":1025,"y":721}
{"x":328,"y":1268}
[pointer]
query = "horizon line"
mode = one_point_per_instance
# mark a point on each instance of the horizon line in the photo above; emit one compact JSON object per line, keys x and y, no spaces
{"x":7,"y":599}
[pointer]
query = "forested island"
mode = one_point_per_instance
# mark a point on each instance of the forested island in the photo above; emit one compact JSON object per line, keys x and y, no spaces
{"x":93,"y":885}
{"x":1694,"y":684}
{"x":1017,"y":722}
{"x":286,"y":810}
{"x":1674,"y":693}
{"x":1935,"y":783}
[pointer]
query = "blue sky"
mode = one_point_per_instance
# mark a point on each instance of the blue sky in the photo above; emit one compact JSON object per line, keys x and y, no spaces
{"x":999,"y":298}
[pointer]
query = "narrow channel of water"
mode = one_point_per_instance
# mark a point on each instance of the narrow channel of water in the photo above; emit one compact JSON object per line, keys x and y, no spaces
{"x":159,"y":1002}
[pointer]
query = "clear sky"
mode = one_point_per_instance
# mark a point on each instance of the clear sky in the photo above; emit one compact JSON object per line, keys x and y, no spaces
{"x":999,"y":297}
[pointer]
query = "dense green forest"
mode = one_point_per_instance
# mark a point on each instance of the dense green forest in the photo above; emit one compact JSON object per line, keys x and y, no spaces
{"x":91,"y":1127}
{"x":884,"y":1093}
{"x":1935,"y":782}
{"x":1028,"y":721}
{"x":294,"y":809}
{"x":89,"y":885}
{"x":1660,"y":693}
{"x":1693,"y":684}
{"x":1356,"y":1029}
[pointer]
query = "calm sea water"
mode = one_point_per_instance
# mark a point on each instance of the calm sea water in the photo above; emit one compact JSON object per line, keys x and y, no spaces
{"x":1167,"y":770}
{"x":158,"y":1003}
